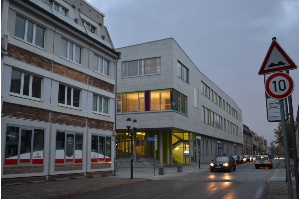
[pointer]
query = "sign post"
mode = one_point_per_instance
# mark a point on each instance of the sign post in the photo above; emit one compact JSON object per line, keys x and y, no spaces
{"x":280,"y":86}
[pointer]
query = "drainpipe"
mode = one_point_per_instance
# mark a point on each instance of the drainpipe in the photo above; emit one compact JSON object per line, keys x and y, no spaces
{"x":116,"y":107}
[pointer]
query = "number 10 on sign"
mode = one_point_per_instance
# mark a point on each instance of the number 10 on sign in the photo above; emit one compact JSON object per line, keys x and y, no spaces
{"x":279,"y":85}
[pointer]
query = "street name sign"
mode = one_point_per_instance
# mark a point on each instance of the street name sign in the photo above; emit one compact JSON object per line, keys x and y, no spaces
{"x":279,"y":85}
{"x":276,"y":60}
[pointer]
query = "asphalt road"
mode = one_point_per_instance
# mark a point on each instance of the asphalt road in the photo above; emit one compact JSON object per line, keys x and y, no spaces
{"x":246,"y":182}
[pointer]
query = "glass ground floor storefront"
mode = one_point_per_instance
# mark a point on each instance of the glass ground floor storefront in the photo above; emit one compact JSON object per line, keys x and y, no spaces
{"x":177,"y":148}
{"x":174,"y":147}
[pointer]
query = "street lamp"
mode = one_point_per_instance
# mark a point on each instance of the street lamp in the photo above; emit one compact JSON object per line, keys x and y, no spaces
{"x":134,"y":125}
{"x":198,"y":138}
{"x":129,"y":125}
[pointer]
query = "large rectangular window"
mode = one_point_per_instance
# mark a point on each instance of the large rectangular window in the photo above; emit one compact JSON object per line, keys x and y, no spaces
{"x":100,"y":104}
{"x":160,"y":100}
{"x":59,"y":8}
{"x":68,"y":96}
{"x":101,"y":65}
{"x":141,"y":67}
{"x":25,"y":84}
{"x":131,"y":102}
{"x":183,"y":72}
{"x":71,"y":51}
{"x":100,"y":149}
{"x":29,"y":31}
{"x":69,"y":147}
{"x":179,"y":102}
{"x":24,"y":145}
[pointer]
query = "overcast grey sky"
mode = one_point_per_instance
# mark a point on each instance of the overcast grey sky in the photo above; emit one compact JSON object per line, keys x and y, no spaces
{"x":226,"y":39}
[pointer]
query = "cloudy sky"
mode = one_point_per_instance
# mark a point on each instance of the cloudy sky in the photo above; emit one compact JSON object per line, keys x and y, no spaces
{"x":227,"y":40}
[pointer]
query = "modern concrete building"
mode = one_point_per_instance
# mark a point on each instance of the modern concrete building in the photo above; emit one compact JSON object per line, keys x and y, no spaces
{"x":57,"y":89}
{"x":160,"y":87}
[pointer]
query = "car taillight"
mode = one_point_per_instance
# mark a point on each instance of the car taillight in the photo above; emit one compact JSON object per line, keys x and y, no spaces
{"x":254,"y":162}
{"x":269,"y":162}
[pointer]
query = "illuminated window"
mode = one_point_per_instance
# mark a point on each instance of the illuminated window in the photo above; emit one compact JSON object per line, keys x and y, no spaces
{"x":131,"y":102}
{"x":160,"y":100}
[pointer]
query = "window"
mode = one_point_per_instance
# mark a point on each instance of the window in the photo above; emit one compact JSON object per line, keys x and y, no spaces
{"x":131,"y":102}
{"x":25,"y":84}
{"x":29,"y":31}
{"x":183,"y":72}
{"x":160,"y":100}
{"x":141,"y":67}
{"x":68,"y":96}
{"x":101,"y":65}
{"x":179,"y":102}
{"x":24,"y":145}
{"x":196,"y":97}
{"x":70,"y":51}
{"x":59,"y":8}
{"x":100,"y":104}
{"x":68,"y":147}
{"x":100,"y":149}
{"x":90,"y":27}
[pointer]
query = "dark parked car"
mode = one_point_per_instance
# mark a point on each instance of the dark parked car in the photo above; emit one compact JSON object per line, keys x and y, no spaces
{"x":223,"y":162}
{"x":247,"y":158}
{"x":237,"y":159}
{"x":242,"y":159}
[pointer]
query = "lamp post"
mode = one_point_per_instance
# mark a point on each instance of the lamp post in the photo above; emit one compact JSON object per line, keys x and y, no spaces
{"x":129,"y":125}
{"x":198,"y":138}
{"x":134,"y":126}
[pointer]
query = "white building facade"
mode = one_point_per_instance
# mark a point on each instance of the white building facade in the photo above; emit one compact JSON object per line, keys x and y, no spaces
{"x":57,"y":89}
{"x":160,"y":87}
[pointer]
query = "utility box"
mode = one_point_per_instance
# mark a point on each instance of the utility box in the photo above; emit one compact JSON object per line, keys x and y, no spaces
{"x":161,"y":171}
{"x":179,"y":168}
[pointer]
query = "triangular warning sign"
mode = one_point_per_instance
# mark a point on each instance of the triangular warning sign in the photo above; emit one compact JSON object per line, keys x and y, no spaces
{"x":276,"y":60}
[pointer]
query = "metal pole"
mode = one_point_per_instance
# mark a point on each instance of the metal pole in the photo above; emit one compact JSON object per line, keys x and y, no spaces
{"x":286,"y":151}
{"x":131,"y":157}
{"x":290,"y":102}
{"x":154,"y":159}
{"x":199,"y":153}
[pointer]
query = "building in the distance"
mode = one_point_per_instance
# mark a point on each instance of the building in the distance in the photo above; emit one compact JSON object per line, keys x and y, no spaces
{"x":160,"y":87}
{"x":57,"y":89}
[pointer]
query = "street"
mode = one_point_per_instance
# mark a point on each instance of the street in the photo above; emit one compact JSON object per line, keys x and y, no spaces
{"x":245,"y":182}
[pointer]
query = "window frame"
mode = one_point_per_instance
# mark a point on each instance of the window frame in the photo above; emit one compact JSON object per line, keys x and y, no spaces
{"x":66,"y":96}
{"x":23,"y":84}
{"x":183,"y":72}
{"x":99,"y":65}
{"x":106,"y":147}
{"x":26,"y":31}
{"x":102,"y":104}
{"x":36,"y":157}
{"x":71,"y":45}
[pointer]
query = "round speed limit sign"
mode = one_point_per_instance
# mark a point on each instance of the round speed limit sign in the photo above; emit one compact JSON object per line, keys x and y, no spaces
{"x":279,"y":85}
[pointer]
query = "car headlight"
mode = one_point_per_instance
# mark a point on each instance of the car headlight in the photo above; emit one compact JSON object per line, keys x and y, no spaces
{"x":226,"y":164}
{"x":212,"y":164}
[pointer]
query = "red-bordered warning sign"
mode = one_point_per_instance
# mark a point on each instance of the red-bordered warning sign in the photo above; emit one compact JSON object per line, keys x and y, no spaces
{"x":276,"y":60}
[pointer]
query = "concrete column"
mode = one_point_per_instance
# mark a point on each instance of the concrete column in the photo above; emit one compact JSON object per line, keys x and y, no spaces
{"x":161,"y":162}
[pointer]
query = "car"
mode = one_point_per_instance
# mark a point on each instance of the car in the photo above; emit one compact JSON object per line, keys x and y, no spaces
{"x":223,"y":163}
{"x":251,"y":158}
{"x":241,"y":159}
{"x":263,"y":161}
{"x":244,"y":159}
{"x":247,"y":157}
{"x":237,"y":159}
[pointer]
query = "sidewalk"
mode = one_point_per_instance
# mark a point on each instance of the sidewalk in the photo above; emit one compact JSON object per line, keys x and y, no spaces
{"x":277,"y":187}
